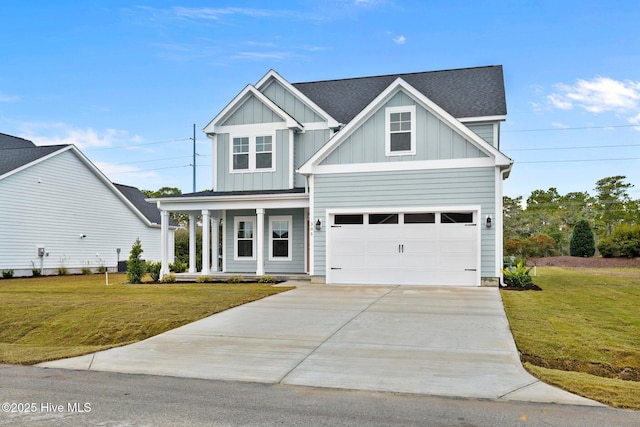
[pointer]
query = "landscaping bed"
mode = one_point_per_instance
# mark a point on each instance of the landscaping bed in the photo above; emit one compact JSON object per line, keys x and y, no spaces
{"x":583,"y":262}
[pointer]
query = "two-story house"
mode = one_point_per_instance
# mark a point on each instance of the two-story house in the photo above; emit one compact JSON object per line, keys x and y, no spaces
{"x":392,"y":179}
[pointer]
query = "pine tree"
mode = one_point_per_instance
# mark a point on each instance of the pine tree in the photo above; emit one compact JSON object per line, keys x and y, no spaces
{"x":136,"y":267}
{"x":582,"y":241}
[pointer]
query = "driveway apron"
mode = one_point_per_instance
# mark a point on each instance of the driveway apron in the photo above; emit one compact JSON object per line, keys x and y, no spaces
{"x":447,"y":341}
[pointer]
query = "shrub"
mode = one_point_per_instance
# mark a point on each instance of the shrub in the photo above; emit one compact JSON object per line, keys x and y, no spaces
{"x":234,"y":279}
{"x":36,"y":272}
{"x":136,"y":267}
{"x":63,"y":271}
{"x":623,"y":241}
{"x":178,"y":266}
{"x":7,"y":274}
{"x":205,"y":279}
{"x":582,"y":241}
{"x":169,"y":278}
{"x":517,"y":276}
{"x":153,"y":268}
{"x":86,"y":270}
{"x":102,"y":269}
{"x":267,"y":279}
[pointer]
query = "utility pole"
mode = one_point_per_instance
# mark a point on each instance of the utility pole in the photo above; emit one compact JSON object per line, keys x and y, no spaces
{"x":194,"y":157}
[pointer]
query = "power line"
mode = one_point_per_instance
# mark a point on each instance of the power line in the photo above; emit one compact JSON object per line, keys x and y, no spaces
{"x":579,"y":160}
{"x":159,"y":160}
{"x":137,"y":145}
{"x":570,"y":128}
{"x":573,"y":148}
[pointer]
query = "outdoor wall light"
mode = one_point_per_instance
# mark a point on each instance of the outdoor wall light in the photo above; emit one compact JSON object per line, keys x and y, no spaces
{"x":488,"y":221}
{"x":318,"y":225}
{"x":82,"y":236}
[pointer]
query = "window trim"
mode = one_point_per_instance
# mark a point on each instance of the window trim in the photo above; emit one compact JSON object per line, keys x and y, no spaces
{"x":400,"y":109}
{"x":252,"y":136}
{"x":289,"y":220}
{"x":236,"y":221}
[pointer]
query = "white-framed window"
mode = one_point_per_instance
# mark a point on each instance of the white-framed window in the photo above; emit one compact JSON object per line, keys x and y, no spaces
{"x":251,"y":153}
{"x":241,"y":153}
{"x":280,"y":238}
{"x":244,"y":240}
{"x":400,"y":125}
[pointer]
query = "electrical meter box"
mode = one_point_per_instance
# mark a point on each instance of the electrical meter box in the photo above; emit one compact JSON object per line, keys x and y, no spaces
{"x":40,"y":252}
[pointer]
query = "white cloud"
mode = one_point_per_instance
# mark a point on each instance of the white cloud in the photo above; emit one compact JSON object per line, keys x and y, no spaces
{"x":399,"y":39}
{"x":62,"y":133}
{"x":598,"y":95}
{"x":113,"y":169}
{"x":9,"y":98}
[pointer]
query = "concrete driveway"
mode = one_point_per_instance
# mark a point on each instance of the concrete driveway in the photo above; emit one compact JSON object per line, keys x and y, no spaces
{"x":446,"y":341}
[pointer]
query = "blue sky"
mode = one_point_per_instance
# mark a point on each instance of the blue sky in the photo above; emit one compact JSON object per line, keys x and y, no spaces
{"x":125,"y":81}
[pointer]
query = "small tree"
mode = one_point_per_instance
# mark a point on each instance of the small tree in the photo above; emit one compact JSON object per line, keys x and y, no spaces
{"x":582,"y":241}
{"x":136,"y":267}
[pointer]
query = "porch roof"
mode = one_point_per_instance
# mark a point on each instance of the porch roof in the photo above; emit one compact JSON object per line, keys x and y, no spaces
{"x":223,"y":200}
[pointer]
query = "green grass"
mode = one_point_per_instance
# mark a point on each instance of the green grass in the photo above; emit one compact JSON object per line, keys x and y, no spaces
{"x":48,"y":318}
{"x":582,"y":331}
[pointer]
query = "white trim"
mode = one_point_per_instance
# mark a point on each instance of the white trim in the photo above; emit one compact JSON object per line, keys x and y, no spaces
{"x":206,"y":249}
{"x":482,"y":119}
{"x":406,"y":166}
{"x":214,"y":160}
{"x":289,"y":220}
{"x":315,"y":126}
{"x":238,"y":101}
{"x":291,"y":165}
{"x":259,"y":241}
{"x":252,"y":129}
{"x":307,"y":251}
{"x":224,"y":240}
{"x":236,"y":220}
{"x":312,"y":230}
{"x":331,"y":122}
{"x":387,"y":130}
{"x":400,"y":85}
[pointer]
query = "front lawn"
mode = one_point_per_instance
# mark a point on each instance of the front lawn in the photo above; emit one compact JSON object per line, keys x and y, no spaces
{"x":49,"y":318}
{"x":582,"y":331}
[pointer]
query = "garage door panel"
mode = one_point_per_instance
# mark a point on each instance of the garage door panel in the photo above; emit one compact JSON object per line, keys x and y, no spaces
{"x":414,"y":254}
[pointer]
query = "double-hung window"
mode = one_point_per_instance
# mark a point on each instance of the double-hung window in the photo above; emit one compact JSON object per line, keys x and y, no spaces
{"x":252,"y":153}
{"x":280,"y":238}
{"x":244,"y":241}
{"x":400,"y":130}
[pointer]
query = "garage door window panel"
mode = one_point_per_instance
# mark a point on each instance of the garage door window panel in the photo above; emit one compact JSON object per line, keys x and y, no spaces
{"x":420,"y":218}
{"x":456,"y":217}
{"x":348,"y":219}
{"x":383,"y":218}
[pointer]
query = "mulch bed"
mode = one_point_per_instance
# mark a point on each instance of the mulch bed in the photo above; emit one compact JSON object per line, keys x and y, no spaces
{"x":532,"y":287}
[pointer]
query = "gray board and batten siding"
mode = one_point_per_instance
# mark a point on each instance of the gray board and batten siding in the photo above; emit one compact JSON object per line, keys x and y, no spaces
{"x":297,"y":263}
{"x":290,"y":103}
{"x":252,"y":111}
{"x":406,"y":189}
{"x":435,"y":140}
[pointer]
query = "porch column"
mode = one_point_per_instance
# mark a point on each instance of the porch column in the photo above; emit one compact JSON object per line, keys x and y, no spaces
{"x":192,"y":243}
{"x":260,"y":242}
{"x":215,"y":228}
{"x":206,"y":252}
{"x":164,"y":242}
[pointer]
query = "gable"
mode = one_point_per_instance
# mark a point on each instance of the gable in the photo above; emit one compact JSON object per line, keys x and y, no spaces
{"x":252,"y":111}
{"x":290,"y":103}
{"x":388,"y":97}
{"x":435,"y":139}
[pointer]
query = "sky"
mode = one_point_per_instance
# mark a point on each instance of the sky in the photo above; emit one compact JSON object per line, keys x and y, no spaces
{"x":125,"y":81}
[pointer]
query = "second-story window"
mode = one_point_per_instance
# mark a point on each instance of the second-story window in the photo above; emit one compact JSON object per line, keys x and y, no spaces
{"x":252,"y":153}
{"x":240,"y":153}
{"x":263,"y":152}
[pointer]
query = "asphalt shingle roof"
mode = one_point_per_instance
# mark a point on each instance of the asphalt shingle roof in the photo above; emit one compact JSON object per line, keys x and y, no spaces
{"x":465,"y":92}
{"x":13,"y":158}
{"x":10,"y":141}
{"x":137,"y":198}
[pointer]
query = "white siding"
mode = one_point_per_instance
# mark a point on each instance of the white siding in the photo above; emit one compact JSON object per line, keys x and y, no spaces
{"x":52,"y":204}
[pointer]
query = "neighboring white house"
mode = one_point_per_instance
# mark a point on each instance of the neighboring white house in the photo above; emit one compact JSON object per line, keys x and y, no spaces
{"x":392,"y":179}
{"x":59,"y":210}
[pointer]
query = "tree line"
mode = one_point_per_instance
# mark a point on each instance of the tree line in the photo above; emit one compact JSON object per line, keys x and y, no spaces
{"x":544,"y":223}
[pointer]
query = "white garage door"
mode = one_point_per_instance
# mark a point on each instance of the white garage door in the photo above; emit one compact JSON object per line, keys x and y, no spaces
{"x":397,"y":248}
